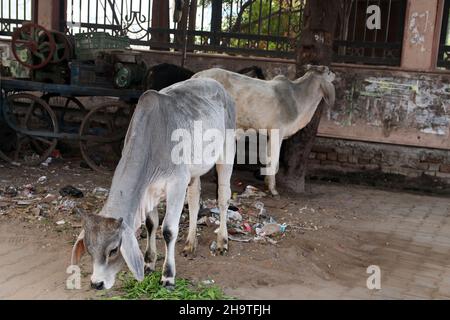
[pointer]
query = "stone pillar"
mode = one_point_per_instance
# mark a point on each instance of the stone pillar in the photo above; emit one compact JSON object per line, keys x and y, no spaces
{"x":421,"y":34}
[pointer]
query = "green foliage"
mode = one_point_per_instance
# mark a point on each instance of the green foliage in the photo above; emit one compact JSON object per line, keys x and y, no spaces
{"x":261,"y":17}
{"x":150,"y":288}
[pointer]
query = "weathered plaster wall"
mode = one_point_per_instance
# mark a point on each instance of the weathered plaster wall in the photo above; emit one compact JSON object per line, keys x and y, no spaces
{"x":390,"y":106}
{"x":373,"y":104}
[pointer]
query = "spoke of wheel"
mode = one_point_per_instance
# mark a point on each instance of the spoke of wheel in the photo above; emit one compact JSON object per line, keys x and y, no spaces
{"x":29,"y":113}
{"x":40,"y":56}
{"x":24,"y":36}
{"x":44,"y":45}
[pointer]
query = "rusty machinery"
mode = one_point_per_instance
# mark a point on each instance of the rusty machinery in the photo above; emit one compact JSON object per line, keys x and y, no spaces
{"x":64,"y":68}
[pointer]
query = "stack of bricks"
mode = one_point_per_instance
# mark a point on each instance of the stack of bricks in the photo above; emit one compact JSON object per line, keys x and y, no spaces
{"x":354,"y":156}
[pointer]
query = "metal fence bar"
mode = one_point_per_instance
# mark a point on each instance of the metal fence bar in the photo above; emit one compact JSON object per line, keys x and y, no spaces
{"x":363,"y":45}
{"x":217,"y":16}
{"x":260,"y":27}
{"x":14,"y":13}
{"x":444,"y":46}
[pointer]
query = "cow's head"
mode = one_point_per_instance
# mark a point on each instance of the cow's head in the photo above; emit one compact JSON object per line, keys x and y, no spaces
{"x":110,"y":243}
{"x":323,"y":70}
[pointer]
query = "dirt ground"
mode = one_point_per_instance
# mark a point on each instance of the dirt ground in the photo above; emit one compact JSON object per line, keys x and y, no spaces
{"x":335,"y":232}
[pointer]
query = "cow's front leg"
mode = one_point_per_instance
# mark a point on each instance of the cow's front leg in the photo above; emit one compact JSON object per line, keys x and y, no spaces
{"x":194,"y":207}
{"x":224,"y":172}
{"x":176,"y":192}
{"x":151,"y":255}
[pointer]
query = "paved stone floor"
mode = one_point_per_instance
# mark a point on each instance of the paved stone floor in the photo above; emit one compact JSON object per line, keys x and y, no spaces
{"x":406,"y":235}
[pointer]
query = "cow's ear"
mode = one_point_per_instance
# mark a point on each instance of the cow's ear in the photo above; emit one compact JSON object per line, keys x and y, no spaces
{"x":78,"y":249}
{"x":329,"y":93}
{"x":131,"y":252}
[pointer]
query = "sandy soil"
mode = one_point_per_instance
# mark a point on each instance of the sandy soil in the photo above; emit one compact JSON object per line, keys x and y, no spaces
{"x":335,"y":233}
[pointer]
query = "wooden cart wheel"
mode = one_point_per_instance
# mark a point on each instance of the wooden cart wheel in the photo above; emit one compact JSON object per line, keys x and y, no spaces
{"x":31,"y":113}
{"x":63,"y":106}
{"x":102,"y":134}
{"x":38,"y":42}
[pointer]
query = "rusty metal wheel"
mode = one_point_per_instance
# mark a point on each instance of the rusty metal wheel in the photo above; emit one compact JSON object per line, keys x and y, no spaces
{"x":33,"y":115}
{"x":63,"y":47}
{"x":102,"y":134}
{"x":37,"y":42}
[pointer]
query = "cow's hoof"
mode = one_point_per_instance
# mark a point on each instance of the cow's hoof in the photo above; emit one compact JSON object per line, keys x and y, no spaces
{"x":222,"y":248}
{"x":222,"y":251}
{"x":189,"y":249}
{"x":148,"y":269}
{"x":275,"y":194}
{"x":169,"y":285}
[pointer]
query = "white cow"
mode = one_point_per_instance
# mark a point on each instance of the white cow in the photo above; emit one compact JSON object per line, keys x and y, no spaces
{"x":276,"y":104}
{"x":148,"y":173}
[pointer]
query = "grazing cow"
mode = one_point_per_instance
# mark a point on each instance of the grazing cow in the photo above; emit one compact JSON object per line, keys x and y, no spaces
{"x":147,"y":173}
{"x":164,"y":75}
{"x":276,"y":104}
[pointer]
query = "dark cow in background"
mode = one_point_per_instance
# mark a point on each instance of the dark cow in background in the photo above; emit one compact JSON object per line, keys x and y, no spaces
{"x":164,"y":75}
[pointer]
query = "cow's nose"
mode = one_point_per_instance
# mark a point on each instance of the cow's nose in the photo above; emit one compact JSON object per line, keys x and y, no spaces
{"x":97,"y":285}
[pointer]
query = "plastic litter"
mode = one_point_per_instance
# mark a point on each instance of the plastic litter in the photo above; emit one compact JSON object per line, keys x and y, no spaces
{"x":42,"y":180}
{"x":231,"y":214}
{"x":68,"y":205}
{"x":251,"y":191}
{"x":50,"y":198}
{"x":213,"y":246}
{"x":71,"y":191}
{"x":100,"y":192}
{"x":11,"y":191}
{"x":47,"y":162}
{"x":271,"y":229}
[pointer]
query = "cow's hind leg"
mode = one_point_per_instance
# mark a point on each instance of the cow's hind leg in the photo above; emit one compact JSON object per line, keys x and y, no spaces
{"x":194,"y":207}
{"x":175,"y":192}
{"x":224,"y":172}
{"x":151,"y":255}
{"x":270,"y":172}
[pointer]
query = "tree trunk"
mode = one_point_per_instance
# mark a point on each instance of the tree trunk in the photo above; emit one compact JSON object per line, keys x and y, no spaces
{"x":314,"y":47}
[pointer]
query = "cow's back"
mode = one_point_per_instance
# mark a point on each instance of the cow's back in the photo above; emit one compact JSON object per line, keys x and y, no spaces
{"x":257,"y":101}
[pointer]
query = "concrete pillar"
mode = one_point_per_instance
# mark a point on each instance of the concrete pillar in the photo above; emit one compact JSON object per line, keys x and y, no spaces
{"x":51,"y":14}
{"x":421,"y":34}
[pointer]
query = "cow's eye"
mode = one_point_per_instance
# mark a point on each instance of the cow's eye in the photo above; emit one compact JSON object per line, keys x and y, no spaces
{"x":113,"y":252}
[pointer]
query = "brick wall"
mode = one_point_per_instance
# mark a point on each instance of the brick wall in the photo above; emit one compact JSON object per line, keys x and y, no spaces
{"x":331,"y":157}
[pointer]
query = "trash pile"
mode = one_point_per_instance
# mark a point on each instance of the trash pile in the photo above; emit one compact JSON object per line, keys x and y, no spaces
{"x":39,"y":201}
{"x":247,"y":218}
